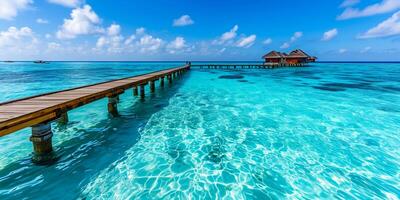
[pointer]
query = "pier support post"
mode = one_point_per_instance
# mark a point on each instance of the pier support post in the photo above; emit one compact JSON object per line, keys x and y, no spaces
{"x":63,"y":119}
{"x":152,"y":86}
{"x":112,"y":105}
{"x":142,"y":91}
{"x":41,"y":139}
{"x":162,"y":82}
{"x":169,"y":79}
{"x":135,"y":91}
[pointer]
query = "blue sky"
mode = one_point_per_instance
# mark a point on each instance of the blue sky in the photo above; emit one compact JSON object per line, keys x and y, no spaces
{"x":336,"y":30}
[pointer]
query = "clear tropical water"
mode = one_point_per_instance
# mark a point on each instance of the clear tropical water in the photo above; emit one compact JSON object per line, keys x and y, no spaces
{"x":325,"y":131}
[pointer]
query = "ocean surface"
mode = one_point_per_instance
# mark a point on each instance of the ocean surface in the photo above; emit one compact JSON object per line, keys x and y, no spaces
{"x":327,"y":131}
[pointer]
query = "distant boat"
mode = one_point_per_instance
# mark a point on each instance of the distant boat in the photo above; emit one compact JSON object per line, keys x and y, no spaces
{"x":8,"y":61}
{"x":40,"y":62}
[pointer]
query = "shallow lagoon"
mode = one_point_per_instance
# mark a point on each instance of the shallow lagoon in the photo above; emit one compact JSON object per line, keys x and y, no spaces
{"x":324,"y":131}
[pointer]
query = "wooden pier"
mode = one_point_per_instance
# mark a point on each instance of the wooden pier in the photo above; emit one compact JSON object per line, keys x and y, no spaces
{"x":39,"y":111}
{"x":247,"y":66}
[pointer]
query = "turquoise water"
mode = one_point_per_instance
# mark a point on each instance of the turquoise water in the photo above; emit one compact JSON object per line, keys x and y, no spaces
{"x":324,"y":131}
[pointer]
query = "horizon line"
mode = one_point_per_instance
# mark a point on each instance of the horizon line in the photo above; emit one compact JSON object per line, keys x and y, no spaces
{"x":153,"y":61}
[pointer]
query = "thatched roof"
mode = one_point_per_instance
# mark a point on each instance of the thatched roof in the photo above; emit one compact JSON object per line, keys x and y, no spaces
{"x":274,"y":54}
{"x":298,"y":53}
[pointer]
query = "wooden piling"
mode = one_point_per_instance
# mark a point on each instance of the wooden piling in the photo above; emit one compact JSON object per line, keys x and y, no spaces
{"x":169,"y":76}
{"x":112,"y":105}
{"x":41,"y":139}
{"x":142,"y":91}
{"x":135,"y":91}
{"x":162,"y":81}
{"x":152,"y":86}
{"x":63,"y":118}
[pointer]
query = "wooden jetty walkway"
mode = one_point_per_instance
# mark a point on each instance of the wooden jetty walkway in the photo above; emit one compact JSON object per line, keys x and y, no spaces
{"x":39,"y":111}
{"x":246,"y":66}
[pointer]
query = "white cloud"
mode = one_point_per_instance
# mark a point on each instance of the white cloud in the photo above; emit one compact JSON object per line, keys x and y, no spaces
{"x":231,"y":34}
{"x":176,"y":45}
{"x":366,"y":49}
{"x":246,"y":42}
{"x":53,"y":46}
{"x":379,"y":8}
{"x":285,"y":45}
{"x":267,"y":41}
{"x":227,"y":35}
{"x":101,"y":42}
{"x":389,"y":27}
{"x":341,"y":51}
{"x":83,"y":21}
{"x":348,"y":3}
{"x":18,"y":43}
{"x":148,"y":43}
{"x":222,"y":50}
{"x":13,"y":36}
{"x":328,"y":35}
{"x":228,"y":39}
{"x":297,"y":35}
{"x":41,"y":21}
{"x":143,"y":42}
{"x":130,"y":39}
{"x":114,"y":29}
{"x":112,"y":40}
{"x":67,"y":3}
{"x":140,"y":31}
{"x":9,"y":8}
{"x":184,"y":20}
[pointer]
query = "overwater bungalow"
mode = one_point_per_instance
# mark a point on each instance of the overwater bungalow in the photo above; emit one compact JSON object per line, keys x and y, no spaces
{"x":312,"y":59}
{"x":297,"y":56}
{"x":275,"y":57}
